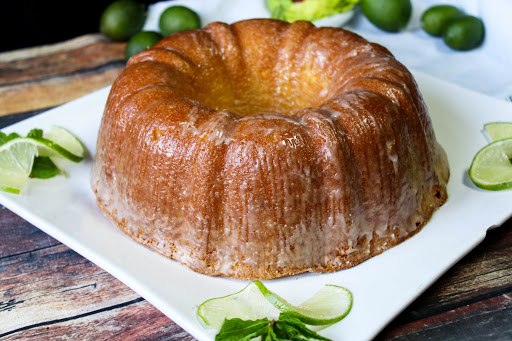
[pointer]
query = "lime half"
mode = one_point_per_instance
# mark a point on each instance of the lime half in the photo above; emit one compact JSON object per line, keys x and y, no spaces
{"x":498,"y":130}
{"x":16,"y":160}
{"x":492,"y":167}
{"x":329,"y":305}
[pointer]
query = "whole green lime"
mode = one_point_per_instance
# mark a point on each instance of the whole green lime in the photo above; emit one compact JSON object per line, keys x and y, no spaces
{"x":464,"y":33}
{"x":435,"y":19}
{"x":388,"y":15}
{"x":140,"y":42}
{"x":178,"y":18}
{"x":122,"y":19}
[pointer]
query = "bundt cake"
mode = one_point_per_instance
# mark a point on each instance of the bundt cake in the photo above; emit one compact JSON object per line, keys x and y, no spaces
{"x":263,"y":149}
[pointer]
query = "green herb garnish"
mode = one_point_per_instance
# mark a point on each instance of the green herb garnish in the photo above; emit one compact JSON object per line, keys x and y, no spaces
{"x":286,"y":327}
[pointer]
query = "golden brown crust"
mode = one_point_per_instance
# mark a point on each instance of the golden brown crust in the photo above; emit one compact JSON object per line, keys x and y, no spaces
{"x":264,"y":149}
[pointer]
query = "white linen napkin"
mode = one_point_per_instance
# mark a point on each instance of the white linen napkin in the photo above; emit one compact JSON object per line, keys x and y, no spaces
{"x":487,"y":69}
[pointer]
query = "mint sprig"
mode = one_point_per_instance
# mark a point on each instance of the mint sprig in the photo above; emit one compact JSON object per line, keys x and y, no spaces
{"x":286,"y":327}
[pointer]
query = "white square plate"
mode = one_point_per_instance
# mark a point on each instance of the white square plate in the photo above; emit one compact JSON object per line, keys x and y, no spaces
{"x":382,"y":287}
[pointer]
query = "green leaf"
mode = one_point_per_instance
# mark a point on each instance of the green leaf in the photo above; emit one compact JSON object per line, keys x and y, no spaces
{"x":287,"y":328}
{"x":35,"y":133}
{"x":291,"y":328}
{"x":44,"y":168}
{"x":12,"y":136}
{"x":271,"y":335}
{"x":240,"y":330}
{"x":4,"y":138}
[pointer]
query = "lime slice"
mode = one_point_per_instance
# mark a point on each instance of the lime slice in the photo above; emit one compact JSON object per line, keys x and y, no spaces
{"x":491,"y":167}
{"x":329,"y":305}
{"x":498,"y":130}
{"x":247,"y":304}
{"x":63,"y":142}
{"x":16,"y":160}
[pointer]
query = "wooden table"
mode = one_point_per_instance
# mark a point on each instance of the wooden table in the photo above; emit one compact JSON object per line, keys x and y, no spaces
{"x":48,"y":291}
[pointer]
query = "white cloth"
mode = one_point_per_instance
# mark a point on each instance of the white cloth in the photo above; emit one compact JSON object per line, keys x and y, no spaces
{"x":487,"y":69}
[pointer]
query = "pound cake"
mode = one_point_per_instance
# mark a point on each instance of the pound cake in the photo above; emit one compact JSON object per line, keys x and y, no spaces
{"x":263,"y":149}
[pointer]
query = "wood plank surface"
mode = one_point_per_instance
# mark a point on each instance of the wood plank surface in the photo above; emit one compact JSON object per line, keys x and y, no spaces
{"x":474,"y":297}
{"x":473,"y":300}
{"x":49,"y":292}
{"x":43,"y":78}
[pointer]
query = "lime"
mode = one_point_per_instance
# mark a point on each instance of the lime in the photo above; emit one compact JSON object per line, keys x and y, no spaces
{"x":61,"y":141}
{"x":435,"y":19}
{"x":329,"y":305}
{"x":140,"y":42}
{"x":292,"y":10}
{"x":16,"y":160}
{"x":464,"y":33}
{"x":122,"y":19}
{"x":388,"y":15}
{"x":17,"y":155}
{"x":178,"y":18}
{"x":247,"y":304}
{"x":492,"y":167}
{"x":498,"y":130}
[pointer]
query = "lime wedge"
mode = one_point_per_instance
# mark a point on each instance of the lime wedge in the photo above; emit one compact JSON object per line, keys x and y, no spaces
{"x":329,"y":305}
{"x":247,"y":304}
{"x":498,"y":130}
{"x":16,"y":160}
{"x":491,"y":167}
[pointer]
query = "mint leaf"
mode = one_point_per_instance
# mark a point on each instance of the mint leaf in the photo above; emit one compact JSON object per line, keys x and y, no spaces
{"x":271,"y":335}
{"x":44,"y":168}
{"x":240,"y":330}
{"x":289,"y":327}
{"x":3,"y":138}
{"x":12,"y":136}
{"x":35,"y":133}
{"x":6,"y":138}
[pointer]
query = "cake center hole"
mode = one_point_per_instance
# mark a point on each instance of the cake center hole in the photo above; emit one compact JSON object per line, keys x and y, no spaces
{"x":261,"y":96}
